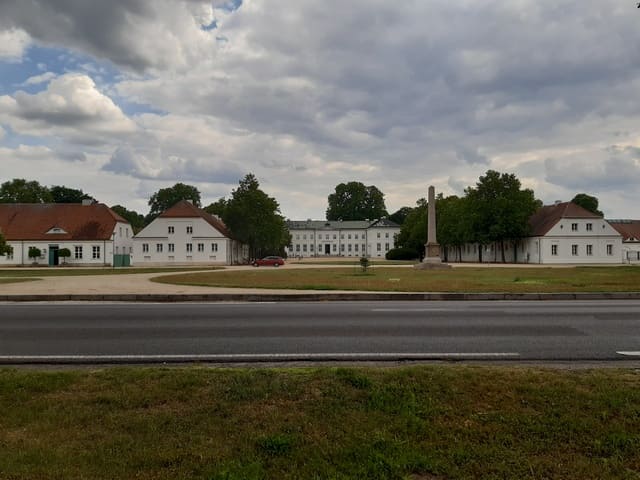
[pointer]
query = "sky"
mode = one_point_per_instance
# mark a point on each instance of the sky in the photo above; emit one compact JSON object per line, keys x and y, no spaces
{"x":122,"y":98}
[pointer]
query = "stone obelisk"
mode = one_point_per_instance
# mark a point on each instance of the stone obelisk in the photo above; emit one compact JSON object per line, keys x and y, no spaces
{"x":432,"y":247}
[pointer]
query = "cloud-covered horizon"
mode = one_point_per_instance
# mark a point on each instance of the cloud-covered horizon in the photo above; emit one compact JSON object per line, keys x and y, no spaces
{"x":305,"y":96}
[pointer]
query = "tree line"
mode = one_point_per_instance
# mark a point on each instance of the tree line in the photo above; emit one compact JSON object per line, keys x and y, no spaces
{"x":495,"y":210}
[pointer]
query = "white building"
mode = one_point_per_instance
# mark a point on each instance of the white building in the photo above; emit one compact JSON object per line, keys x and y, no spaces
{"x":92,"y":232}
{"x":318,"y":238}
{"x":564,"y":233}
{"x":630,"y":231}
{"x":185,"y":235}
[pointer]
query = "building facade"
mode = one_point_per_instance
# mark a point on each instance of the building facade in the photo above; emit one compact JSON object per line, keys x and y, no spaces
{"x":319,"y":238}
{"x":187,"y":235}
{"x":630,"y":231}
{"x":93,"y":233}
{"x":564,"y":233}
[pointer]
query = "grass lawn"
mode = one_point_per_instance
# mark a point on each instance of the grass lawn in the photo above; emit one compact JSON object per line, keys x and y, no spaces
{"x":4,"y":280}
{"x":27,"y":272}
{"x":577,"y":279}
{"x":426,"y":422}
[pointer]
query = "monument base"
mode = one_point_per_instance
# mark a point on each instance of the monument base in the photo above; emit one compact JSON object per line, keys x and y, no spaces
{"x":432,"y":263}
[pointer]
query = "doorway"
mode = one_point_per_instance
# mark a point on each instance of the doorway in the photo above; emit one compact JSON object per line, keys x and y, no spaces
{"x":53,"y":255}
{"x":327,"y":249}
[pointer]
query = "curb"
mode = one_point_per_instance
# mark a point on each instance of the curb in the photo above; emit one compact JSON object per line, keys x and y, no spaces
{"x":316,"y":297}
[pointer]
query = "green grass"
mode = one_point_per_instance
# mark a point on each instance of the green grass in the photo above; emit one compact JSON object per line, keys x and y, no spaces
{"x":509,"y":280}
{"x":16,"y":280}
{"x":433,"y":422}
{"x":27,"y":272}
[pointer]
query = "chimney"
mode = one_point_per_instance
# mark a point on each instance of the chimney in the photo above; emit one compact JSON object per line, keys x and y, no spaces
{"x":87,"y":201}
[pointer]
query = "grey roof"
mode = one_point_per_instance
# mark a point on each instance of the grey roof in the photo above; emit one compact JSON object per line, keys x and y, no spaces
{"x":339,"y":224}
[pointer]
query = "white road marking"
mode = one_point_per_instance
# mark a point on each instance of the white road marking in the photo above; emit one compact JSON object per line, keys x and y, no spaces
{"x":257,"y":357}
{"x":629,"y":354}
{"x":401,"y":310}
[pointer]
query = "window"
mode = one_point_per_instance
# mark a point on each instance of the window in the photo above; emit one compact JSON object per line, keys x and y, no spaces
{"x":350,"y":247}
{"x":304,"y":237}
{"x":378,"y":235}
{"x":349,"y":236}
{"x":78,"y":253}
{"x":334,"y":236}
{"x":355,"y":236}
{"x":171,"y":229}
{"x":589,"y":249}
{"x":574,"y":250}
{"x":554,"y":249}
{"x":120,"y":231}
{"x":304,"y":247}
{"x":158,"y":248}
{"x":126,"y":231}
{"x":145,"y":247}
{"x":589,"y":227}
{"x":214,"y":247}
{"x":386,"y":247}
{"x":356,"y":246}
{"x":297,"y":247}
{"x":574,"y":227}
{"x":297,"y":236}
{"x":342,"y":247}
{"x":609,"y":249}
{"x":96,"y":252}
{"x":311,"y":247}
{"x":171,"y":247}
{"x":189,"y":247}
{"x":334,"y":247}
{"x":379,"y":246}
{"x":386,"y":235}
{"x":189,"y":229}
{"x":342,"y":236}
{"x":201,"y":247}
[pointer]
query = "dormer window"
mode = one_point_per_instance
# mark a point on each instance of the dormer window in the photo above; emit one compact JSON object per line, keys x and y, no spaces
{"x":56,"y":230}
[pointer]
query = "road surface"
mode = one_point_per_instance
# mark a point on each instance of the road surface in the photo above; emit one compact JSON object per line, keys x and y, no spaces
{"x":221,"y":332}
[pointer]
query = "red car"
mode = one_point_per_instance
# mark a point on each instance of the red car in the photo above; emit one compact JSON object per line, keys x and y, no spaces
{"x":269,"y":261}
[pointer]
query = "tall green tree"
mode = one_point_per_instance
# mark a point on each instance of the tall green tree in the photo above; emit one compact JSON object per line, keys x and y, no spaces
{"x":4,"y":247}
{"x":19,"y":190}
{"x":587,"y":202}
{"x":254,"y":218}
{"x":136,"y":219}
{"x":355,"y":201}
{"x":452,"y":226}
{"x":62,"y":194}
{"x":400,"y":215}
{"x":216,"y":208}
{"x":166,"y":198}
{"x":413,"y":232}
{"x":499,"y":210}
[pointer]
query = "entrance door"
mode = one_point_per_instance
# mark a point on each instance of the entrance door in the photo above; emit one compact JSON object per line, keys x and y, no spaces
{"x":327,"y":249}
{"x":53,"y":255}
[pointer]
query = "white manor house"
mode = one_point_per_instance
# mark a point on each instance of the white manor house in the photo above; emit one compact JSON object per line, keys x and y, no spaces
{"x":362,"y":238}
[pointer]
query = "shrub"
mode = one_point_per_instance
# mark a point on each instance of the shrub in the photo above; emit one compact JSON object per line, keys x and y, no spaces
{"x":402,"y":253}
{"x":64,"y":253}
{"x":34,"y":252}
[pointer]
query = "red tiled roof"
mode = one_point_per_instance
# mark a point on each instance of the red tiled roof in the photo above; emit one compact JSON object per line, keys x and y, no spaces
{"x":32,"y":221}
{"x":186,"y":209}
{"x":546,"y":217}
{"x":627,"y":228}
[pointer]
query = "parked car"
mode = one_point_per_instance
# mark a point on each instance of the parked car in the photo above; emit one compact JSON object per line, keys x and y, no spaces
{"x":271,"y":260}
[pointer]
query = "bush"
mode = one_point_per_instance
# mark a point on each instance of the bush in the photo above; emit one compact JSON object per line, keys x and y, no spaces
{"x":34,"y":252}
{"x":64,"y":253}
{"x":402,"y":253}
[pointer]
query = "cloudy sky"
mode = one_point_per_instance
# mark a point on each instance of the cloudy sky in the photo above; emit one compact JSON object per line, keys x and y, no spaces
{"x":124,"y":97}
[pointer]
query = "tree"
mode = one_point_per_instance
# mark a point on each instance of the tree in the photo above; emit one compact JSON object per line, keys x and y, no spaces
{"x":254,"y":218}
{"x":4,"y":247}
{"x":62,"y":194}
{"x":587,"y":202}
{"x":64,"y":253}
{"x":19,"y":190}
{"x":499,"y":210}
{"x":355,"y":201}
{"x":413,"y":232}
{"x":400,"y":215}
{"x":452,"y":225}
{"x":216,"y":208}
{"x":166,"y":198}
{"x":34,"y":252}
{"x":136,"y":219}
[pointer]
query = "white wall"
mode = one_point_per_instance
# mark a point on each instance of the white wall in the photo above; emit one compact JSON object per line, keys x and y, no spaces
{"x":344,"y":242}
{"x":215,"y":247}
{"x":21,"y":253}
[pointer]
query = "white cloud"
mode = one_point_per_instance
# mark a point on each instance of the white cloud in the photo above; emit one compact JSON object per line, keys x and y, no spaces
{"x":70,"y":107}
{"x":38,"y":79}
{"x":13,"y":43}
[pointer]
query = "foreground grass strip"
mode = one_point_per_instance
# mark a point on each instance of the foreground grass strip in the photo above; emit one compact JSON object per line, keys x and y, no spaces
{"x":16,"y":280}
{"x":508,"y":280}
{"x":431,"y":422}
{"x":28,"y":272}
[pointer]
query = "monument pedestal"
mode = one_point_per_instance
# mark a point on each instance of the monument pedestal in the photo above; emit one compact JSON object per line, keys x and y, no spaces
{"x":432,"y":259}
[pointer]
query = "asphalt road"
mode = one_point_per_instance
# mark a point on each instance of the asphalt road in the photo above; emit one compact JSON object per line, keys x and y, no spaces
{"x":138,"y":332}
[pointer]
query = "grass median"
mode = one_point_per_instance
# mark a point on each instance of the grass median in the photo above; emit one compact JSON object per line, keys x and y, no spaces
{"x":30,"y":272}
{"x":508,"y":280}
{"x":427,"y":422}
